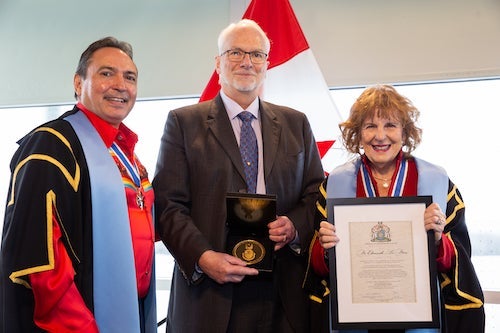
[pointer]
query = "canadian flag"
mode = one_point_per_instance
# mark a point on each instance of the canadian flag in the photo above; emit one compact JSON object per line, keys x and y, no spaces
{"x":293,"y":77}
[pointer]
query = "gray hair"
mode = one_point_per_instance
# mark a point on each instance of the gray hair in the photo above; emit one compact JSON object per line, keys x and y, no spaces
{"x":242,"y":23}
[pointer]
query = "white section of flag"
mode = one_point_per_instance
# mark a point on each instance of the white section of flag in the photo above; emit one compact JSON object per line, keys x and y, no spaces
{"x":299,"y":84}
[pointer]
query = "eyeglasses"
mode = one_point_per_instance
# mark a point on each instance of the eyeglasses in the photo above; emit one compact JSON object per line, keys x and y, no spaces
{"x":237,"y":55}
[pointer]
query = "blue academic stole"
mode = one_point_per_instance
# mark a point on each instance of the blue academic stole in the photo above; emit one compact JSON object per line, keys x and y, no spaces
{"x":116,"y":304}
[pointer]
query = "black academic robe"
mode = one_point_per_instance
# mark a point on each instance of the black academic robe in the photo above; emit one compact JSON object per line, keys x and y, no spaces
{"x":50,"y":152}
{"x":462,"y":299}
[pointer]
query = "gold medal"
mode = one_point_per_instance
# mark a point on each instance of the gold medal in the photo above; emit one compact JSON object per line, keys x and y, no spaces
{"x":249,"y":250}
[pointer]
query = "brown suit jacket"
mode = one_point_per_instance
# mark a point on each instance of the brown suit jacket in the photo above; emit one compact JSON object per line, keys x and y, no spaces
{"x":199,"y":162}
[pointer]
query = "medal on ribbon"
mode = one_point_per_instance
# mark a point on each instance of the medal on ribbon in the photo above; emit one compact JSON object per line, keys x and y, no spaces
{"x":133,"y":172}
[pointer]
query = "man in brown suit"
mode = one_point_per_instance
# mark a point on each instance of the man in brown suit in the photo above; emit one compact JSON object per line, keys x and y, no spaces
{"x":199,"y":163}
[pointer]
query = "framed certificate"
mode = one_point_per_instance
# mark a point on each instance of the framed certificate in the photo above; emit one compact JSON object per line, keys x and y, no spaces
{"x":383,"y":270}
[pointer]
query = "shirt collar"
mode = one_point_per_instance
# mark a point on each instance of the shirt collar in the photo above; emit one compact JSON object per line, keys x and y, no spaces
{"x":122,"y":135}
{"x":233,"y":108}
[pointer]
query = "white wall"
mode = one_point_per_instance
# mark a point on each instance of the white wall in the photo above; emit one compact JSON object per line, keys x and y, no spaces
{"x":356,"y":42}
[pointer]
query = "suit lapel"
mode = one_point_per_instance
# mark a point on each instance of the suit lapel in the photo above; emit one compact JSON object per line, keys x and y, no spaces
{"x":271,"y":130}
{"x":218,"y":122}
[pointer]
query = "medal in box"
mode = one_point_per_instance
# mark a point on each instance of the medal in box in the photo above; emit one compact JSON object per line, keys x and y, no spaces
{"x":248,"y":234}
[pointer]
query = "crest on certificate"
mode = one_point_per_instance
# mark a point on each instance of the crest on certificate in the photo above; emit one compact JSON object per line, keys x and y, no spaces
{"x":381,"y":233}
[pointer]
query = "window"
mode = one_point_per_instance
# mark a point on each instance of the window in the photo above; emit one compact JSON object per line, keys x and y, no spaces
{"x":459,"y":122}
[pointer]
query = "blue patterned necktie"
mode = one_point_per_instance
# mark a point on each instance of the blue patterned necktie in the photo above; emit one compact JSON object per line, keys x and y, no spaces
{"x":249,"y":150}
